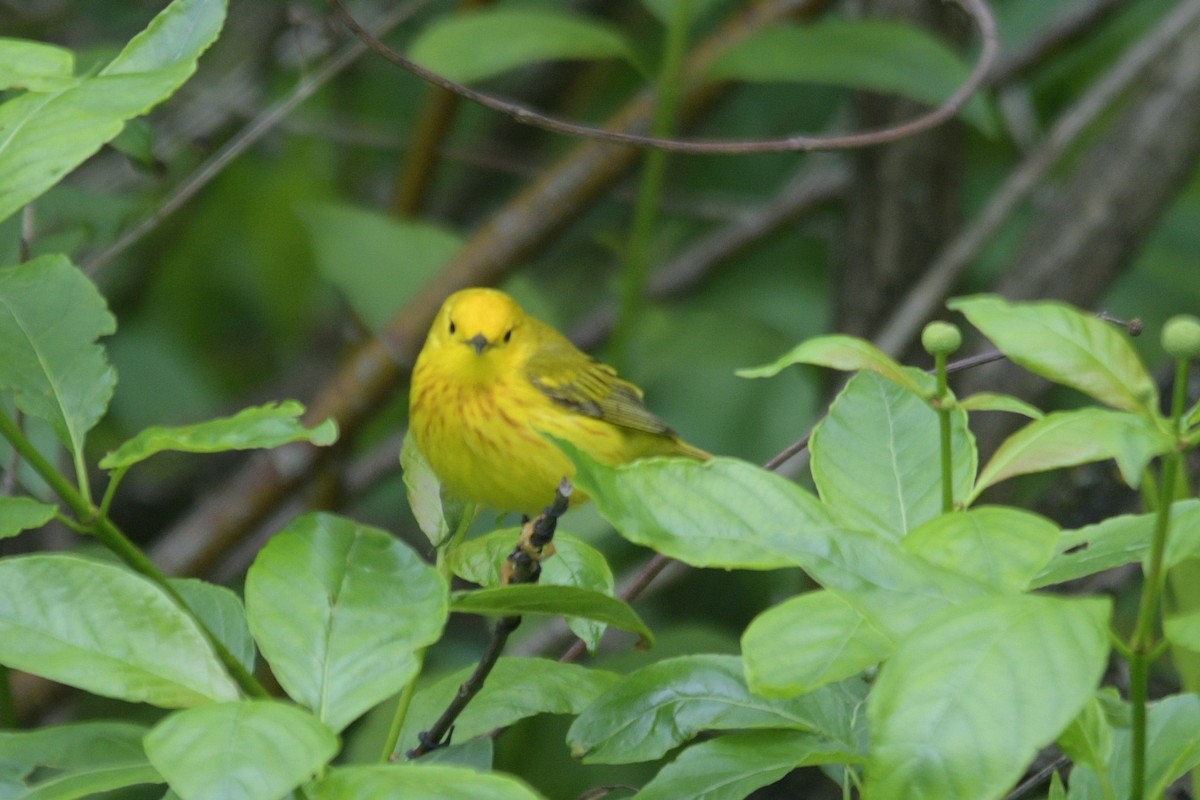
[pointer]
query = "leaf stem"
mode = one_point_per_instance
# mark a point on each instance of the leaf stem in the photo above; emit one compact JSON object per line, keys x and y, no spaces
{"x":943,"y":413}
{"x":112,"y":538}
{"x":1142,"y":641}
{"x":402,"y":706}
{"x":636,"y":267}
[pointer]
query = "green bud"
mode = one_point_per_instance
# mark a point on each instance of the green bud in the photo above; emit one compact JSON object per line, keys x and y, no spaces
{"x":1181,"y":337}
{"x":941,"y":338}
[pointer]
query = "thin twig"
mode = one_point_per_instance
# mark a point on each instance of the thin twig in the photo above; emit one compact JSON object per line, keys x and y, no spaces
{"x":937,"y":281}
{"x":1037,"y":780}
{"x":522,"y":566}
{"x":976,"y":9}
{"x":242,"y":141}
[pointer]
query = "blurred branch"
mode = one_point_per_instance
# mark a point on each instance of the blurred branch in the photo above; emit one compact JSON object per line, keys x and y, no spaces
{"x":1073,"y":25}
{"x":368,"y":376}
{"x":247,"y":136}
{"x":976,"y":9}
{"x":927,"y":295}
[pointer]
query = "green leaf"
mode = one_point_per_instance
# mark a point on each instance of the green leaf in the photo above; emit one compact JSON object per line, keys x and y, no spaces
{"x":222,"y":612}
{"x":516,"y":688}
{"x":1089,"y":737}
{"x":727,"y":513}
{"x":574,"y":563}
{"x":569,"y":601}
{"x":1066,"y":346}
{"x":1184,"y":630}
{"x":92,"y":783}
{"x":872,"y":456}
{"x":265,"y":426}
{"x":72,"y":747}
{"x":434,"y":782}
{"x":808,"y":641}
{"x":1117,"y":541}
{"x":516,"y":38}
{"x":437,"y":513}
{"x":43,"y":136}
{"x":967,"y":700}
{"x":849,"y":354}
{"x":108,"y":631}
{"x":658,"y":707}
{"x":341,"y":612}
{"x":379,"y":263}
{"x":22,"y":513}
{"x":999,"y":546}
{"x":35,"y":66}
{"x":50,"y":318}
{"x":872,"y":55}
{"x":254,"y":749}
{"x":732,"y":766}
{"x":1172,"y":748}
{"x":994,"y":401}
{"x":1070,"y":438}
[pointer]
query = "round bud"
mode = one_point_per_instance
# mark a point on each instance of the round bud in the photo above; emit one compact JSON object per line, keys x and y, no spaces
{"x":1181,"y":336}
{"x":941,"y":338}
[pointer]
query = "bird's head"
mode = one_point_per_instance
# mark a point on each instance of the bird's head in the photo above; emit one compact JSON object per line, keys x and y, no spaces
{"x":477,"y":327}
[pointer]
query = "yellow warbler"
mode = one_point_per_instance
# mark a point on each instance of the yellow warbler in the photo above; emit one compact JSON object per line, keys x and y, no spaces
{"x":490,"y":380}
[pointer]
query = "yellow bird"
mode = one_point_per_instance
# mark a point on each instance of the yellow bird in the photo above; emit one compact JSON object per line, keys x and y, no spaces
{"x":490,"y":380}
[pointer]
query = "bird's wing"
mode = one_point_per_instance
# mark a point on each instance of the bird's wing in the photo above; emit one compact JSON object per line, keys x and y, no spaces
{"x":575,"y":380}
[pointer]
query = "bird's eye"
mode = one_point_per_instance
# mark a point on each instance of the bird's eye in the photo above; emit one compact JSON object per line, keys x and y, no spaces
{"x":452,"y":327}
{"x":508,"y":336}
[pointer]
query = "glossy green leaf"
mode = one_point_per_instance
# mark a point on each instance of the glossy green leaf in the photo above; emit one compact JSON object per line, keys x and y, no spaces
{"x":105,"y":630}
{"x":1067,"y":346}
{"x":847,"y":353}
{"x":73,"y":747}
{"x":1070,"y":438}
{"x":265,"y":426}
{"x":378,"y":262}
{"x":50,"y":318}
{"x":478,"y":754}
{"x":517,"y":37}
{"x":665,"y":704}
{"x":808,"y":641}
{"x":999,"y":546}
{"x":1120,"y":540}
{"x":253,"y":750}
{"x":568,"y":601}
{"x":867,"y":54}
{"x":1089,"y":737}
{"x":22,"y":513}
{"x":968,"y":699}
{"x":341,"y":612}
{"x":44,"y":135}
{"x":994,"y":401}
{"x":92,"y":782}
{"x":516,"y":688}
{"x":433,"y":782}
{"x":872,"y":456}
{"x":574,"y":563}
{"x":222,"y":612}
{"x":732,"y":766}
{"x":727,"y":513}
{"x":1172,"y":746}
{"x":35,"y":66}
{"x":429,"y":506}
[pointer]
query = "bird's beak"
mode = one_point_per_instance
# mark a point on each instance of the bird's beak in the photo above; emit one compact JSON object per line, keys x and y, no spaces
{"x":479,"y":343}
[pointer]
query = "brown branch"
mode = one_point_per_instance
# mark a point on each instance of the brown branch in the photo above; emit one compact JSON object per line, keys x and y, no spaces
{"x":976,"y":9}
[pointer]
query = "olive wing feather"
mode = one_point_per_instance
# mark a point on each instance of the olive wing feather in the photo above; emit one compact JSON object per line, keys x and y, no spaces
{"x":573,"y":379}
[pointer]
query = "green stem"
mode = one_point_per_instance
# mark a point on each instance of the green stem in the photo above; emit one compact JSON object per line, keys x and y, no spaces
{"x":1142,"y":641}
{"x":108,"y":533}
{"x":944,"y":430}
{"x":636,"y":267}
{"x":402,"y":706}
